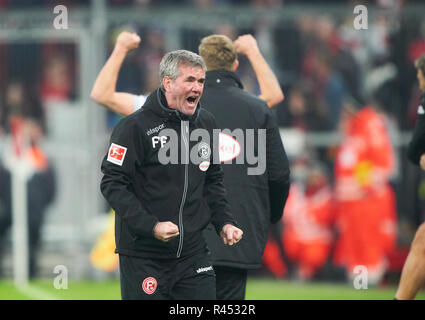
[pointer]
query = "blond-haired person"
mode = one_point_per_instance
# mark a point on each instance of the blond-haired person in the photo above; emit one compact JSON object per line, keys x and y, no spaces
{"x":256,"y":200}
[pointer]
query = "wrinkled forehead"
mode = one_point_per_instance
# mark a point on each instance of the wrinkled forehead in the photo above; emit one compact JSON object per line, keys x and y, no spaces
{"x":195,"y":71}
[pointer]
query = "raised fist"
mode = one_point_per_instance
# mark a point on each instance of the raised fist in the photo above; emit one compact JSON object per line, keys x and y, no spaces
{"x":246,"y":44}
{"x":128,"y":40}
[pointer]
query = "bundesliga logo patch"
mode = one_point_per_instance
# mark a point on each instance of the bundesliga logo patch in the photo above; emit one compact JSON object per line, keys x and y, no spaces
{"x":116,"y":154}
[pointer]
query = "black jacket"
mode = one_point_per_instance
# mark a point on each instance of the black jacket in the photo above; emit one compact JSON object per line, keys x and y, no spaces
{"x":255,"y":200}
{"x":142,"y":190}
{"x":417,"y":145}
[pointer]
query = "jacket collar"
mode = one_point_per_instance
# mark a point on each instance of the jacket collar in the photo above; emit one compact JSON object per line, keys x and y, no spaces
{"x":222,"y":77}
{"x":157,"y":103}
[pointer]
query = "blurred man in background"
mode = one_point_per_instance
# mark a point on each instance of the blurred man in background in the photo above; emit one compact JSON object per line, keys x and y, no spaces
{"x":255,"y":200}
{"x":22,"y":124}
{"x":364,"y":199}
{"x":307,"y":235}
{"x":413,"y":274}
{"x":104,"y":88}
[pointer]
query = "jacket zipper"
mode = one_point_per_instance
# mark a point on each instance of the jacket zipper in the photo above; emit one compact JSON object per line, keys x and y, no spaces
{"x":184,"y":130}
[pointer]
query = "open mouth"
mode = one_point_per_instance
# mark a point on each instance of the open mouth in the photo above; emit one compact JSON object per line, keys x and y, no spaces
{"x":191,"y":99}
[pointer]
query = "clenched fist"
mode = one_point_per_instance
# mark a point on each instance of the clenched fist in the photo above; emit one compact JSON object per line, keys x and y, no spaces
{"x":127,"y":40}
{"x":165,"y":231}
{"x":246,"y":44}
{"x":231,"y":234}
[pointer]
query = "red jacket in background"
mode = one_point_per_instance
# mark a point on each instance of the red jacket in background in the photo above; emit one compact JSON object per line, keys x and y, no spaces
{"x":365,"y":203}
{"x":307,"y":233}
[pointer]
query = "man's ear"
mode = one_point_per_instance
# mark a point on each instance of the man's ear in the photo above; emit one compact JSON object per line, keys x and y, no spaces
{"x":235,"y":65}
{"x":166,"y":81}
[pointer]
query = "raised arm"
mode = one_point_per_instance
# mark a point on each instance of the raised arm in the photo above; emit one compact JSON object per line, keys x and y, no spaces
{"x":104,"y":89}
{"x":269,"y":86}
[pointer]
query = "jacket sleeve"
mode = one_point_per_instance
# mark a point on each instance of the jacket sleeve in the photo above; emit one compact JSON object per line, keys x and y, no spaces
{"x":119,"y":169}
{"x":277,"y":169}
{"x":416,"y":146}
{"x":215,"y":193}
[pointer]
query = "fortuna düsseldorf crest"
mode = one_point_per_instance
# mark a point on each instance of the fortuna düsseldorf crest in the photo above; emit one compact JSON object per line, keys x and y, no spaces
{"x":149,"y":285}
{"x":204,"y":150}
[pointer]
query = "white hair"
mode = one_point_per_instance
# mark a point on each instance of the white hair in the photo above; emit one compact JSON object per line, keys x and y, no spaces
{"x":170,"y":63}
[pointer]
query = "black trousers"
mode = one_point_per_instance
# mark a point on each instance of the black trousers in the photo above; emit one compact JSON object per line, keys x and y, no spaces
{"x":187,"y":278}
{"x":230,"y":283}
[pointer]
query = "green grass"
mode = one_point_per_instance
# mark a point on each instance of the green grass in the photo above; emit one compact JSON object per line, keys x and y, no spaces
{"x":77,"y":290}
{"x":257,"y":289}
{"x":284,"y":290}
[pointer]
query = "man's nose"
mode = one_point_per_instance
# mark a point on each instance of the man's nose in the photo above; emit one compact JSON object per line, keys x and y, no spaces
{"x":198,"y":87}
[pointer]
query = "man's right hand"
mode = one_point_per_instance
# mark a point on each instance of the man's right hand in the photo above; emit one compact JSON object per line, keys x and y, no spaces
{"x":165,"y":231}
{"x":127,"y":41}
{"x":270,"y":89}
{"x":246,"y":44}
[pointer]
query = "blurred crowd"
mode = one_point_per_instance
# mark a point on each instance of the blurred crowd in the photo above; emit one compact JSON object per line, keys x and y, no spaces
{"x":33,"y":76}
{"x":152,"y":3}
{"x":319,"y":60}
{"x":330,"y":73}
{"x":198,"y":3}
